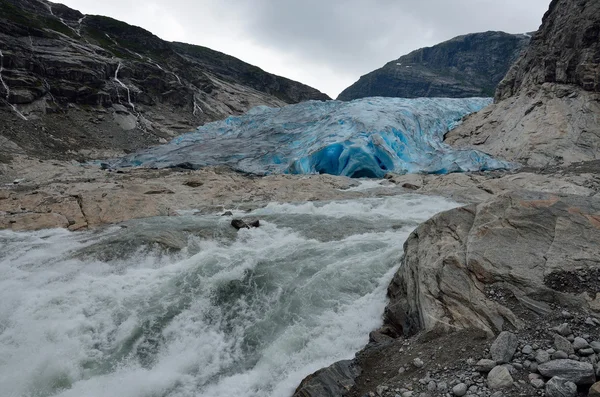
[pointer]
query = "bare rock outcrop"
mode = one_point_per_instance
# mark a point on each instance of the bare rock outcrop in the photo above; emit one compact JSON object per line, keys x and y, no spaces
{"x":547,"y":108}
{"x":532,"y":246}
{"x":71,"y":82}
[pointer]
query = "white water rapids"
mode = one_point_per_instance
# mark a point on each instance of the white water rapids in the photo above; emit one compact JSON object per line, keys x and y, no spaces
{"x":220,"y":313}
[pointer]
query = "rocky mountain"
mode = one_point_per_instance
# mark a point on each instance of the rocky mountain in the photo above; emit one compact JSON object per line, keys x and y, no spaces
{"x":71,"y":83}
{"x":547,"y":109}
{"x":466,"y":66}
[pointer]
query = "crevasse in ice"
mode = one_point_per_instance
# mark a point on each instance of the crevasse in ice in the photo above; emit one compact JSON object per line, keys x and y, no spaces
{"x":363,"y":138}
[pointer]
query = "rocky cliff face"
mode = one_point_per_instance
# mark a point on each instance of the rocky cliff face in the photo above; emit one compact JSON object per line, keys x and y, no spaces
{"x":547,"y":109}
{"x":466,"y":66}
{"x":74,"y":82}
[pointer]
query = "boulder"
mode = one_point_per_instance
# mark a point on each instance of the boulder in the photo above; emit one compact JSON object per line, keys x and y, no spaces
{"x":331,"y":381}
{"x":578,"y":372}
{"x":530,"y":244}
{"x":244,"y":224}
{"x":504,"y":347}
{"x":594,"y":390}
{"x":499,"y":378}
{"x":485,"y":365}
{"x":559,"y":387}
{"x":561,"y":343}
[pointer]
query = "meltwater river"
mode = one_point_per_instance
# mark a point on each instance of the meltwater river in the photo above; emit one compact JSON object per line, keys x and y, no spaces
{"x":209,"y":311}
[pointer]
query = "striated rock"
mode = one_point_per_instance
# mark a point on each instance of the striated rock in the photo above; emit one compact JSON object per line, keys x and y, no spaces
{"x":559,"y":387}
{"x":547,"y":105}
{"x":504,"y":347}
{"x":499,"y":378}
{"x":330,"y":381}
{"x":521,"y":241}
{"x":466,"y":66}
{"x":577,"y":372}
{"x":84,"y":82}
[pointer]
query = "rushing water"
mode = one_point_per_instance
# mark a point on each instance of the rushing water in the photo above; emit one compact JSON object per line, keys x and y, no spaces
{"x":187,"y":306}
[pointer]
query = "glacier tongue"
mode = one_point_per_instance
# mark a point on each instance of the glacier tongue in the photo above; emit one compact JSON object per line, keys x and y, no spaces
{"x":363,"y":138}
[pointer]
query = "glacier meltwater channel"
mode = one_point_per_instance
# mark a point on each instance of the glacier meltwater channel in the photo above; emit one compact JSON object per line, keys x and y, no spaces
{"x":363,"y":138}
{"x":208,"y":312}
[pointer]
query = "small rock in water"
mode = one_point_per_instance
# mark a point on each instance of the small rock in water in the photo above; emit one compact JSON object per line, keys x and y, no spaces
{"x":559,"y":387}
{"x":227,"y":213}
{"x":241,"y":224}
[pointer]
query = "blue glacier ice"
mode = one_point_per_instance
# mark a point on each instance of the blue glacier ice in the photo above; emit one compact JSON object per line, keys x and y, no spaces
{"x":363,"y":138}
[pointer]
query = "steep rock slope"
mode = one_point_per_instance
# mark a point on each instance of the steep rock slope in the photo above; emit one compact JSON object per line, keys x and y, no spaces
{"x":547,"y":109}
{"x":72,"y":81}
{"x":466,"y":66}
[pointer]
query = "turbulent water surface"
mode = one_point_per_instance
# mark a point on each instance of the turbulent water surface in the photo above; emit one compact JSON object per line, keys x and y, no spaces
{"x":187,"y":306}
{"x":363,"y":138}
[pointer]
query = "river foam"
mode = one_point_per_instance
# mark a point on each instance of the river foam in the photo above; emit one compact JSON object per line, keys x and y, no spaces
{"x":121,"y":312}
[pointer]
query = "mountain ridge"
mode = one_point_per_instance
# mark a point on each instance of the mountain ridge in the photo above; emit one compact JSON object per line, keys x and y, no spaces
{"x":465,"y":66}
{"x":69,"y":81}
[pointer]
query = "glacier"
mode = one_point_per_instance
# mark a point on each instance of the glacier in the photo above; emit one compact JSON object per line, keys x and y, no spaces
{"x":364,"y":138}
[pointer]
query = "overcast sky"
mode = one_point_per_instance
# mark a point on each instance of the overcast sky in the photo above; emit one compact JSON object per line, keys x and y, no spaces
{"x":327,"y":44}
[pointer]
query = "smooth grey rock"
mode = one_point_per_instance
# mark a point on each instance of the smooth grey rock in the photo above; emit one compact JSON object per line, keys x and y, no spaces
{"x":527,"y":349}
{"x":542,"y":356}
{"x":485,"y":365}
{"x":499,"y":378}
{"x":574,"y":371}
{"x":586,"y":352}
{"x":596,"y":346}
{"x":459,"y":390}
{"x":564,"y":329}
{"x":432,"y":386}
{"x":580,"y":343}
{"x":504,"y":347}
{"x":561,"y":343}
{"x":559,"y":387}
{"x":560,"y":355}
{"x":538,"y":383}
{"x":507,"y":238}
